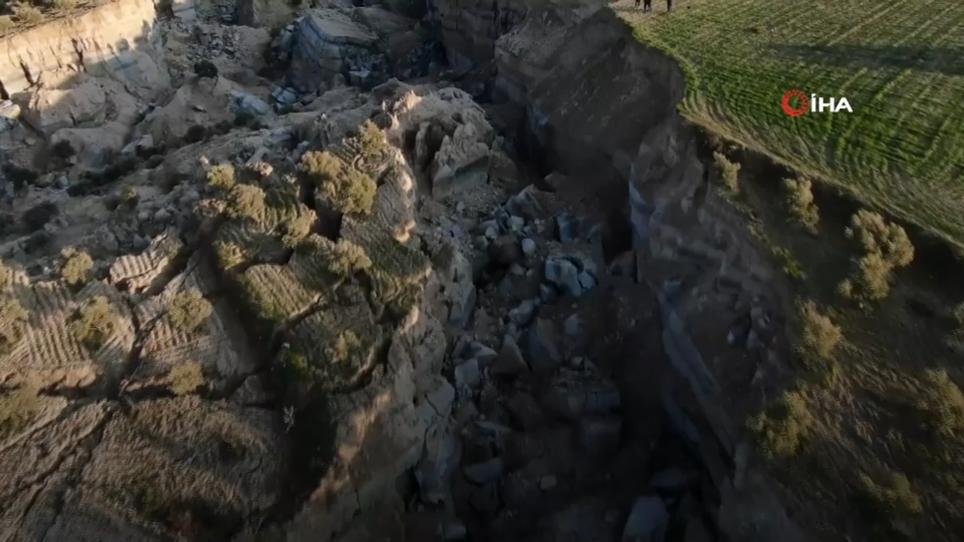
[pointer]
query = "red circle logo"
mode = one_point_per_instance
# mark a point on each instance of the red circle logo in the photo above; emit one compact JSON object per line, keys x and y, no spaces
{"x":801,"y":99}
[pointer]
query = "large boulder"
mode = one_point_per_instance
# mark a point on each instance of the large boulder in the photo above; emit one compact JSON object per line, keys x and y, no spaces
{"x":328,"y":43}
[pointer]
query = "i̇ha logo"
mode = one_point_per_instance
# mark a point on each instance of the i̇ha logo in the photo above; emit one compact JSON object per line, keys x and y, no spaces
{"x":796,"y":103}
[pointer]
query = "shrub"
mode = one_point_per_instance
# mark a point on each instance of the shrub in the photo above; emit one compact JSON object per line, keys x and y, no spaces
{"x":188,"y":310}
{"x":345,"y":348}
{"x":17,"y":409}
{"x":297,"y":367}
{"x":876,"y":235}
{"x":800,"y":203}
{"x":76,"y":267}
{"x":783,"y":427}
{"x":296,"y":227}
{"x":346,"y":189}
{"x":352,"y":193}
{"x":6,"y":24}
{"x":12,"y":317}
{"x":93,"y":323}
{"x":885,"y":247}
{"x":186,"y":378}
{"x":371,"y":139}
{"x":942,"y":404}
{"x":229,"y":254}
{"x":37,"y":216}
{"x":321,"y":166}
{"x":129,"y":197}
{"x":27,"y":14}
{"x":819,"y":334}
{"x":246,"y":201}
{"x":893,"y":496}
{"x":729,"y":172}
{"x":790,"y":264}
{"x":342,"y":259}
{"x":221,"y":177}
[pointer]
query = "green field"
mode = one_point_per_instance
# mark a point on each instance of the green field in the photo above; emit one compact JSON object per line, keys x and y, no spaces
{"x":899,"y":63}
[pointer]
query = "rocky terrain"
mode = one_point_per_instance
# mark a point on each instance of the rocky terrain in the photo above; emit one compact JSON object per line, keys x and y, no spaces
{"x":356,"y":272}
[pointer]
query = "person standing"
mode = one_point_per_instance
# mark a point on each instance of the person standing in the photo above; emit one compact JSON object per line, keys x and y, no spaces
{"x":647,"y":5}
{"x":637,"y":5}
{"x":669,"y":5}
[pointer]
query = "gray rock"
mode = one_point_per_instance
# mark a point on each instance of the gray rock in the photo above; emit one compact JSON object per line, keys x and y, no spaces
{"x":543,"y":346}
{"x":467,"y":375}
{"x":435,"y":468}
{"x":516,"y":223}
{"x":564,"y":275}
{"x":510,"y":361}
{"x":522,"y":314}
{"x":586,"y":280}
{"x":568,"y":228}
{"x":243,"y":102}
{"x":162,"y":215}
{"x":463,"y":304}
{"x":528,"y":246}
{"x":526,"y":203}
{"x":547,"y":294}
{"x":647,"y":521}
{"x":572,"y":326}
{"x":481,"y":352}
{"x":484,"y":472}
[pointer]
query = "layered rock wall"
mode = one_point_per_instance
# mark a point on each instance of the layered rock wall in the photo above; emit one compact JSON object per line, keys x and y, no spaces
{"x":111,"y":39}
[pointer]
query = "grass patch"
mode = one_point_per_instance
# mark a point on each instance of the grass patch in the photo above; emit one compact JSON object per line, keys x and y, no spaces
{"x":898,"y":63}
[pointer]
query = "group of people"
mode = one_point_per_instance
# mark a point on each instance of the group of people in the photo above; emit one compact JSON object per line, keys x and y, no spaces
{"x":648,"y":5}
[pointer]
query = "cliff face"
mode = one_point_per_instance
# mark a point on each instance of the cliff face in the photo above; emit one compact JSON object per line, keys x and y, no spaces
{"x":601,"y":109}
{"x":113,"y":39}
{"x":470,"y":28}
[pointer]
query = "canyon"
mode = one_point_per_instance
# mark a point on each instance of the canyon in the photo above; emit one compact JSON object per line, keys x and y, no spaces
{"x":555,"y":333}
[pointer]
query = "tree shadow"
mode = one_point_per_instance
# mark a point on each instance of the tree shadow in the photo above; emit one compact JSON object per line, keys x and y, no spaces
{"x":943,"y":60}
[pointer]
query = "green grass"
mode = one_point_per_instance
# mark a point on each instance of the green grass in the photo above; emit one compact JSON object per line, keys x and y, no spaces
{"x":899,"y":63}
